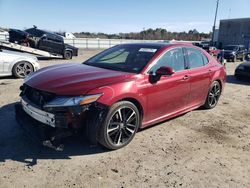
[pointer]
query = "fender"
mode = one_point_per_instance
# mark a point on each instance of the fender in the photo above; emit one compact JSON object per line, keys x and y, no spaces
{"x":116,"y":92}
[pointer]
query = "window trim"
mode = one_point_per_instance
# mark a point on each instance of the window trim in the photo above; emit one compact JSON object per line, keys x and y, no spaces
{"x":158,"y":58}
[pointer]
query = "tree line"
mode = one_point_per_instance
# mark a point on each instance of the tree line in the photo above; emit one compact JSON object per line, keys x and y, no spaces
{"x":150,"y":34}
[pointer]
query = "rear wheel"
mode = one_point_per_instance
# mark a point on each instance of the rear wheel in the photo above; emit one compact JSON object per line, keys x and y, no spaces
{"x":67,"y":54}
{"x":213,"y":95}
{"x":120,"y":126}
{"x":22,"y":69}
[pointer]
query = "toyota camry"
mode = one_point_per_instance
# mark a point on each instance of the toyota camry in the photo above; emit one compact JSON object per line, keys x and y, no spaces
{"x":119,"y":91}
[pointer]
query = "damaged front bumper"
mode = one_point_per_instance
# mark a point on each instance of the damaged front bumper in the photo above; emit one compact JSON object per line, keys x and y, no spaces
{"x":40,"y":132}
{"x":50,"y":128}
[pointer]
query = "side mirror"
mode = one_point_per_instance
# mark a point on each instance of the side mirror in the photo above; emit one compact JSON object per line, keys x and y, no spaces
{"x":43,"y":36}
{"x":165,"y":71}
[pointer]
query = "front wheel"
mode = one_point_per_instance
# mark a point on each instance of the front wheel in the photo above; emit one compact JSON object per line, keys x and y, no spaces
{"x":22,"y":69}
{"x":120,"y":125}
{"x":67,"y":54}
{"x":213,"y":95}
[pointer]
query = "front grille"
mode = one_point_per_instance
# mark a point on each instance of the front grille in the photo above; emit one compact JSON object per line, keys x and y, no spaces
{"x":36,"y":96}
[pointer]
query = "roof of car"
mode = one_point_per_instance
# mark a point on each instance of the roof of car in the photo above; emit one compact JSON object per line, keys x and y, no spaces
{"x":159,"y":44}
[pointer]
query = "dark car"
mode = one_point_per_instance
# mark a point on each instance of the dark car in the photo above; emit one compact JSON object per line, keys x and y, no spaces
{"x":243,"y":71}
{"x":43,"y":40}
{"x":232,"y":53}
{"x":18,"y":36}
{"x":122,"y":89}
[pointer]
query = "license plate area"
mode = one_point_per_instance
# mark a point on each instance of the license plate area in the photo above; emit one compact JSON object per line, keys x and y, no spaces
{"x":39,"y":115}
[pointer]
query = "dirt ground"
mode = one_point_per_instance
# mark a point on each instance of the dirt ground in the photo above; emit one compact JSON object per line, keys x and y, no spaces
{"x":203,"y":148}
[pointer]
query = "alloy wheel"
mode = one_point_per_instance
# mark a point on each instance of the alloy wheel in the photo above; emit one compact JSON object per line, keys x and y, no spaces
{"x":122,"y":126}
{"x":214,"y":95}
{"x":23,"y":69}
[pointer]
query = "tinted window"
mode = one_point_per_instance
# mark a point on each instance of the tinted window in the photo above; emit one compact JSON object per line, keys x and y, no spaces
{"x":35,"y":32}
{"x":195,"y":58}
{"x":173,"y":58}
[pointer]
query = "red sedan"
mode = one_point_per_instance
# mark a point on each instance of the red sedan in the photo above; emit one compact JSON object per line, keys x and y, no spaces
{"x":120,"y":90}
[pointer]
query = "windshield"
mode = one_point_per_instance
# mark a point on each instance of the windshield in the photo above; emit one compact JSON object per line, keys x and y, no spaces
{"x":126,"y":58}
{"x":232,"y":48}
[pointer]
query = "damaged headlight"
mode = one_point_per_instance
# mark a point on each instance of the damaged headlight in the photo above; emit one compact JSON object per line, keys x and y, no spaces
{"x":72,"y":101}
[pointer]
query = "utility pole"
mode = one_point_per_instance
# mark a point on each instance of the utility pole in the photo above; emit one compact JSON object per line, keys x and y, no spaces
{"x":215,"y":17}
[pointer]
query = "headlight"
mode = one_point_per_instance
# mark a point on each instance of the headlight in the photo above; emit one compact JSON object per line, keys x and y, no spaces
{"x":241,"y":68}
{"x":72,"y":101}
{"x":233,"y":53}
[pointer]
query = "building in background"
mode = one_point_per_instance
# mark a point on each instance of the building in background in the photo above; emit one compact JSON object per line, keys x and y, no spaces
{"x":235,"y":32}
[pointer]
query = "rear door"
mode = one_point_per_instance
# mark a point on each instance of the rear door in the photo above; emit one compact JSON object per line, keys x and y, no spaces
{"x":199,"y":72}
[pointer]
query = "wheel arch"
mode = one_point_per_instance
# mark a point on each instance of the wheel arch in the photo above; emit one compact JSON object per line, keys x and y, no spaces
{"x":136,"y":103}
{"x":68,"y":49}
{"x":12,"y":65}
{"x":218,"y":80}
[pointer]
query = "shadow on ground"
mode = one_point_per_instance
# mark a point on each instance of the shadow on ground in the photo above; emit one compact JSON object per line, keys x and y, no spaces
{"x":232,"y":80}
{"x":14,"y":145}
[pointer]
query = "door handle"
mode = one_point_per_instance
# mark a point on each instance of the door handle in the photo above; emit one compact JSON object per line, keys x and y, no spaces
{"x":185,"y":77}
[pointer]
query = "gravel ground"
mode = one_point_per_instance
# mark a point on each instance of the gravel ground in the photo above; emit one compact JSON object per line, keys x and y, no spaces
{"x":203,"y":148}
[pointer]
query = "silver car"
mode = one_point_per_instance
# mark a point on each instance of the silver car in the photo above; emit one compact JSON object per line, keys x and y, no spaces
{"x":17,"y":64}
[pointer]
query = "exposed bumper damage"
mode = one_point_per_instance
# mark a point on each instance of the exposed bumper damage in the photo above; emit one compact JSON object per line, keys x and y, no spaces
{"x":50,"y":127}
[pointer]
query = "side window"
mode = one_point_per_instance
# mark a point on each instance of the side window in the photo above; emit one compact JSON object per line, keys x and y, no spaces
{"x":205,"y":59}
{"x":50,"y":37}
{"x":173,"y":58}
{"x":195,"y":58}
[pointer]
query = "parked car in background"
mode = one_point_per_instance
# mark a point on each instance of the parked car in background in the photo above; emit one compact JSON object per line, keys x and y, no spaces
{"x":213,"y":51}
{"x":19,"y":37}
{"x":67,"y":35}
{"x":43,"y":40}
{"x":120,"y":90}
{"x":243,"y":71}
{"x":17,"y":64}
{"x":233,"y":53}
{"x":205,"y":45}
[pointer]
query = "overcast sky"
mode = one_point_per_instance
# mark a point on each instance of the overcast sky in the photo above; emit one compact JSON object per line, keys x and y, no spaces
{"x":114,"y":16}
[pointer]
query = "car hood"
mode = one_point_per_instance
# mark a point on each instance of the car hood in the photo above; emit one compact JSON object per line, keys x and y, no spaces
{"x":74,"y":79}
{"x":17,"y":55}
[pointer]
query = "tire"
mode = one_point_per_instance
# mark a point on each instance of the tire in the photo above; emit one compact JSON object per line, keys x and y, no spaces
{"x":213,"y":95}
{"x":67,"y":54}
{"x":22,"y":69}
{"x":120,"y":125}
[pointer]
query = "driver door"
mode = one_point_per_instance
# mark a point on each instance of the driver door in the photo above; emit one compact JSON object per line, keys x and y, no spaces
{"x":169,"y":94}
